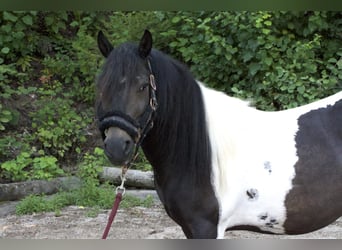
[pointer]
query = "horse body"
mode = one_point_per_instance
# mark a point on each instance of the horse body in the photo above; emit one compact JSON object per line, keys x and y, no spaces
{"x":256,"y":160}
{"x":218,"y":163}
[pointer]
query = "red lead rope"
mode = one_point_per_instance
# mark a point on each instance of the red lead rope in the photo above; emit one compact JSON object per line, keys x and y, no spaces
{"x":116,"y":204}
{"x":120,"y":191}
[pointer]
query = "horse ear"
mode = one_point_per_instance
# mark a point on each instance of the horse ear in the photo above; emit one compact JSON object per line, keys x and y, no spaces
{"x":104,"y":45}
{"x":145,"y":45}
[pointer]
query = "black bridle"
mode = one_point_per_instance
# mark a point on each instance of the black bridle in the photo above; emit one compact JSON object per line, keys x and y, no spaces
{"x":136,"y":129}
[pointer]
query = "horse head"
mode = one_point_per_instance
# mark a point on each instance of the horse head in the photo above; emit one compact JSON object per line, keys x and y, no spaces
{"x":126,"y":97}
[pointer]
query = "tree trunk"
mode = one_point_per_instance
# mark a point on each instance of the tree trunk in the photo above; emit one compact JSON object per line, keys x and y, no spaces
{"x":19,"y":190}
{"x":134,"y":178}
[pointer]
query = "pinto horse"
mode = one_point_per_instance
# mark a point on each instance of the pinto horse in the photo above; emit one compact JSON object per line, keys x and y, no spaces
{"x":218,"y":163}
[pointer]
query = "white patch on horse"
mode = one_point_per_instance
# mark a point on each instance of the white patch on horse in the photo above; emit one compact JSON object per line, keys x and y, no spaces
{"x":244,"y":142}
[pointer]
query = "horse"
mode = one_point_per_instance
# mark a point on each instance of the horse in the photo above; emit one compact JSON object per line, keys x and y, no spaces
{"x":219,"y":164}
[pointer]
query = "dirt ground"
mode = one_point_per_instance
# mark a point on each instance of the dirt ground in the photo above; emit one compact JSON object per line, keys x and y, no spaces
{"x":132,"y":223}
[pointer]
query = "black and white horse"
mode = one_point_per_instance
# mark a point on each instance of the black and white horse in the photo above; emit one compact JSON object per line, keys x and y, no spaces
{"x":219,"y":164}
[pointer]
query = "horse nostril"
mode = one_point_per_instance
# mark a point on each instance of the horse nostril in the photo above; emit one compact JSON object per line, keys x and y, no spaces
{"x":127,"y":146}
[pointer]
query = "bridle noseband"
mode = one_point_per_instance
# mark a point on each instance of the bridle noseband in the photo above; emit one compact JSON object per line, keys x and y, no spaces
{"x":136,"y":129}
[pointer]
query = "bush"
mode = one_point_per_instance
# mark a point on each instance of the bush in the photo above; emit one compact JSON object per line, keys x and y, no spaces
{"x":279,"y":59}
{"x":25,"y":167}
{"x":92,"y":165}
{"x":45,"y":88}
{"x":58,"y":128}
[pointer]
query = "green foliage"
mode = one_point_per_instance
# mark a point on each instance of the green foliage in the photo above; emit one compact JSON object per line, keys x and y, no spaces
{"x":129,"y":26}
{"x":278,"y":59}
{"x":15,"y":169}
{"x":92,"y":165}
{"x":132,"y":201}
{"x":16,"y":27}
{"x":5,"y":117}
{"x":141,"y":163}
{"x":59,"y":127}
{"x":45,"y":167}
{"x":87,"y":196}
{"x":25,"y":167}
{"x":33,"y":204}
{"x":9,"y":145}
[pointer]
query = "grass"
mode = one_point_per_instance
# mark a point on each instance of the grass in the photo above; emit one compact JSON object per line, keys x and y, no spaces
{"x":90,"y":195}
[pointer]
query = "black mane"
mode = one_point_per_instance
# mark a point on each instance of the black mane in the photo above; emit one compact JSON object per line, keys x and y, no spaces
{"x":180,"y":137}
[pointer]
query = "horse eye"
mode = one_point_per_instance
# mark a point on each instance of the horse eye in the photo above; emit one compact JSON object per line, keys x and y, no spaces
{"x":143,"y":87}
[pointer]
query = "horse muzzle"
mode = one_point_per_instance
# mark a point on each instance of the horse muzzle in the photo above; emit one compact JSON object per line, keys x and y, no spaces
{"x":118,"y":146}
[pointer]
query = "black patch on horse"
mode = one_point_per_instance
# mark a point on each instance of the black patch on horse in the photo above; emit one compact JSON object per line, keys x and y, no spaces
{"x":252,"y":194}
{"x":263,"y":216}
{"x":316,"y":197}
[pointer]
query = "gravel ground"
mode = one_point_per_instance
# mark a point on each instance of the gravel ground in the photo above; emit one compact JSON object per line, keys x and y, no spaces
{"x":132,"y":223}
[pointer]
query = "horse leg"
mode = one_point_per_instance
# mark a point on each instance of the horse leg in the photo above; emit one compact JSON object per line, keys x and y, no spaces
{"x":200,"y":229}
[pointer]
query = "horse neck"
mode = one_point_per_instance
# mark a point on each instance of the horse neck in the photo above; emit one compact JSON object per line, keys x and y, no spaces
{"x":178,"y":144}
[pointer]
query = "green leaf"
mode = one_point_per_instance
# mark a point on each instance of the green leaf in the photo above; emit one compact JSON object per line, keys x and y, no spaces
{"x":27,"y":20}
{"x":4,"y":119}
{"x":254,"y":68}
{"x":268,"y":61}
{"x":311,"y":68}
{"x":248,"y":55}
{"x":339,"y":64}
{"x":266,"y":31}
{"x":218,"y":50}
{"x":5,"y":50}
{"x":268,"y":23}
{"x":228,"y":56}
{"x":7,"y":28}
{"x":10,"y":17}
{"x":301,"y":89}
{"x":49,"y":20}
{"x":176,"y":19}
{"x":74,"y":24}
{"x":332,"y":60}
{"x":6,"y":112}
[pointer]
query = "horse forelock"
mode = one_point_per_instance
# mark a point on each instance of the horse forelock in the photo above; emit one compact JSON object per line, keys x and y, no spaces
{"x":122,"y":64}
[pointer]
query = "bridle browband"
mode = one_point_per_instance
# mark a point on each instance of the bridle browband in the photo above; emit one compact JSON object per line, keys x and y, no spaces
{"x":136,"y":129}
